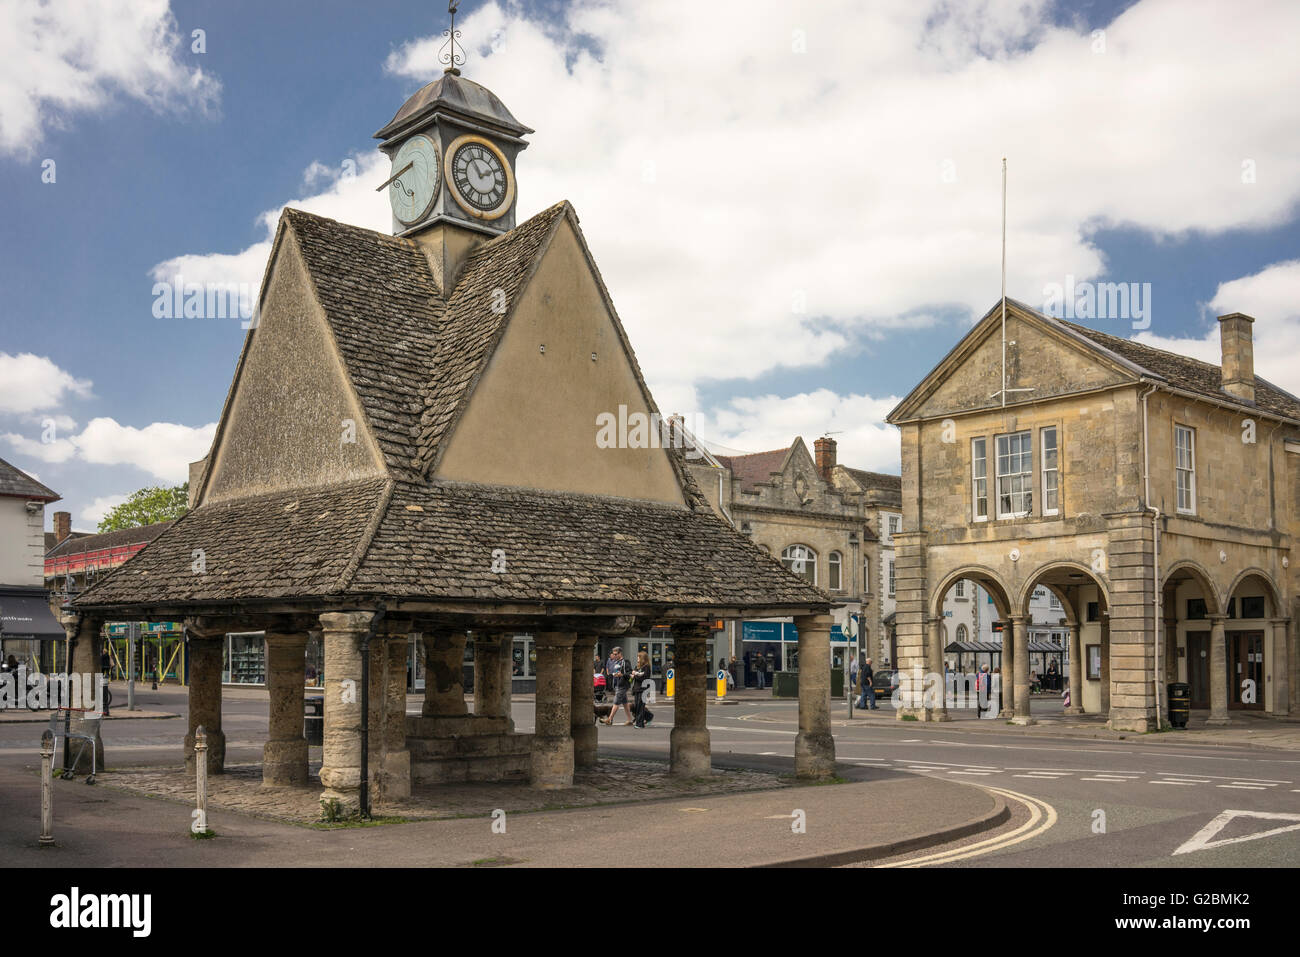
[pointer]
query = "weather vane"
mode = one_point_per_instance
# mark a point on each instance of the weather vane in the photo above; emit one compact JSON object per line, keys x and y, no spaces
{"x":449,"y":54}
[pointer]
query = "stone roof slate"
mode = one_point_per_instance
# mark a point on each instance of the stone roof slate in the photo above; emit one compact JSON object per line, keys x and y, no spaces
{"x":79,"y":542}
{"x":750,"y":470}
{"x":17,"y":483}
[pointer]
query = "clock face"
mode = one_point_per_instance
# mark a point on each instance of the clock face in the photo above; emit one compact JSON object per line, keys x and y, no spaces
{"x":412,"y":191}
{"x":480,"y":177}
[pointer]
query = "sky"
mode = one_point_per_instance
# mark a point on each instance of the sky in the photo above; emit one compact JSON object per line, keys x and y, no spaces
{"x":796,"y":206}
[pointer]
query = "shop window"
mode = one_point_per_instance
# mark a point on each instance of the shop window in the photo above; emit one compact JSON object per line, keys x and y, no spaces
{"x":833,"y":571}
{"x":1252,"y":606}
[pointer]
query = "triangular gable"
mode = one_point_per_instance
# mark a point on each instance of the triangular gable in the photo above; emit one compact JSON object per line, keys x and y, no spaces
{"x":540,"y":412}
{"x":292,"y":418}
{"x":1042,"y":354}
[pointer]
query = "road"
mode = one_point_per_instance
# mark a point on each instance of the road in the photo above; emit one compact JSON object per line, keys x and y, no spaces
{"x":1076,"y":803}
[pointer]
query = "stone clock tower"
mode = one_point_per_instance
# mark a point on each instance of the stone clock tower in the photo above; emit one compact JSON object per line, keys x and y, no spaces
{"x":452,"y":182}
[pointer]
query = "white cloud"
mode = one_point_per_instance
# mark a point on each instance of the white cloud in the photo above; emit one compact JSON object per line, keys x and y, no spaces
{"x":752,"y":207}
{"x":760,"y":423}
{"x":1272,"y":298}
{"x":29,"y":383}
{"x":59,"y":450}
{"x":94,"y":513}
{"x":62,"y":57}
{"x":163,"y":449}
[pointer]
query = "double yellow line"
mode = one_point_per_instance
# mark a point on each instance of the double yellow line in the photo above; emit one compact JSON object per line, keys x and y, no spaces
{"x":1042,"y":817}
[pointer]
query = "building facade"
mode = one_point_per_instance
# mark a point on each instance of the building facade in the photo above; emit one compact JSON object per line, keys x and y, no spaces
{"x":1154,"y":495}
{"x":28,"y":630}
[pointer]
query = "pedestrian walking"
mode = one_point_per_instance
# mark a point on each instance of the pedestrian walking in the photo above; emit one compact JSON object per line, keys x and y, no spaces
{"x":641,"y":681}
{"x":760,"y":670}
{"x":617,"y":670}
{"x":867,"y":677}
{"x":853,"y":674}
{"x":982,"y":682}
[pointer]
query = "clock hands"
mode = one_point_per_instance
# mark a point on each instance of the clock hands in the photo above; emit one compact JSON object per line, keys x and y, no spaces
{"x":394,"y":177}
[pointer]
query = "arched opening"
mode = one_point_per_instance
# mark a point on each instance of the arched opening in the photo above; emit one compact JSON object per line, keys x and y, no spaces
{"x":1251,"y":605}
{"x":1188,"y":603}
{"x":967,"y":612}
{"x":1064,"y":609}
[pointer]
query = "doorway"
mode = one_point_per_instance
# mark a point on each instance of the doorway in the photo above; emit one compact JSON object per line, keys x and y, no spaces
{"x":1246,"y":664}
{"x":1198,"y":668}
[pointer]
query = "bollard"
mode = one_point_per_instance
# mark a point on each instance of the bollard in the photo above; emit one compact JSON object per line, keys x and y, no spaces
{"x":722,"y":684}
{"x":200,"y":815}
{"x":47,"y":789}
{"x":849,"y":697}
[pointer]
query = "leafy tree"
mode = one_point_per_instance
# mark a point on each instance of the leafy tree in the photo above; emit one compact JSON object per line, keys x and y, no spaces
{"x":147,"y":506}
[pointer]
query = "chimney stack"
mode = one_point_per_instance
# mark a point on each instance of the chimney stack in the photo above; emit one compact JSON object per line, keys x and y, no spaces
{"x":825,"y":454}
{"x":62,"y":526}
{"x":1238,"y":355}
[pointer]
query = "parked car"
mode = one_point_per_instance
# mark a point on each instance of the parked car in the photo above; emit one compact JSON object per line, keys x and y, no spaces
{"x":884,"y":681}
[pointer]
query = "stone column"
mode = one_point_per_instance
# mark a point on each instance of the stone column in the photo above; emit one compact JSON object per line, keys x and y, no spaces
{"x":340,"y":772}
{"x":689,"y":747}
{"x":1008,"y":669}
{"x":388,"y":759}
{"x":1218,"y":672}
{"x":284,"y":756}
{"x":205,"y":653}
{"x":1103,"y":678}
{"x":1281,"y":669}
{"x":912,"y":586}
{"x":1077,"y":668}
{"x":939,"y":710}
{"x":84,"y":647}
{"x":444,"y":674}
{"x":582,"y":727}
{"x":1021,"y":711}
{"x":491,"y":675}
{"x":814,"y":748}
{"x":552,"y":758}
{"x":1133,"y":672}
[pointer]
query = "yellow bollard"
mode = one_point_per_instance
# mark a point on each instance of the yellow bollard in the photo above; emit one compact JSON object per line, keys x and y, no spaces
{"x":722,"y":684}
{"x":668,"y":684}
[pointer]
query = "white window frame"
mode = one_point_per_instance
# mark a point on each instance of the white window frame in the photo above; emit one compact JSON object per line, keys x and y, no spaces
{"x":866,"y":575}
{"x":1026,"y":475}
{"x":1189,"y":470}
{"x":1054,"y":471}
{"x":893,"y":579}
{"x":961,"y":588}
{"x":810,"y":558}
{"x":895,"y":523}
{"x":835,"y":571}
{"x":979,"y":462}
{"x":962,"y":633}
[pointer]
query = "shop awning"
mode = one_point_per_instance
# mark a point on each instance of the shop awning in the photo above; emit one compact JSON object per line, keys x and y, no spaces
{"x":25,"y":614}
{"x":979,"y":647}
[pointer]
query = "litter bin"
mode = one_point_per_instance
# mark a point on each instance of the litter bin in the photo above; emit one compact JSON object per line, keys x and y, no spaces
{"x":1180,"y":703}
{"x":314,"y":720}
{"x":837,"y":682}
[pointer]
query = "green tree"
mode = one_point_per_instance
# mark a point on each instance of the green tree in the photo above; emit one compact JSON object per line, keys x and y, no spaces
{"x":147,"y":506}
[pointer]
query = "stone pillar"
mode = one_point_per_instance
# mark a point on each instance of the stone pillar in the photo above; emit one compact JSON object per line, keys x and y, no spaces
{"x":689,"y":747}
{"x":1103,"y":675}
{"x":912,"y":596}
{"x":84,"y":650}
{"x":491,"y":675}
{"x":814,"y":748}
{"x":1281,"y":669}
{"x":1008,"y":670}
{"x":552,"y":758}
{"x":1130,"y":565}
{"x":205,"y":652}
{"x":1218,"y":672}
{"x":1021,"y":711}
{"x":340,"y":772}
{"x":388,"y":759}
{"x":939,"y":710}
{"x":284,"y":756}
{"x":1077,"y":670}
{"x":444,"y":674}
{"x":582,"y":727}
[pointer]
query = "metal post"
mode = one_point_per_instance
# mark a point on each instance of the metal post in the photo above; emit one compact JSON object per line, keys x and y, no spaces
{"x":47,"y":789}
{"x":132,"y":630}
{"x":200,"y":825}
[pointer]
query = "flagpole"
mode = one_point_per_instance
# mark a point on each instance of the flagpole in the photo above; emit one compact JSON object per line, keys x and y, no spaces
{"x":1004,"y":282}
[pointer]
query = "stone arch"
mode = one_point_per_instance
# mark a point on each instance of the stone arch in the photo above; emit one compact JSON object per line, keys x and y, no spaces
{"x":981,"y":575}
{"x":1188,"y":568}
{"x":1063,"y":568}
{"x":1270,"y":588}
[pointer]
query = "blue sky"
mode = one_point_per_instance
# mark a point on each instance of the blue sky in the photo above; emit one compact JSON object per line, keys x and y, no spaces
{"x":1132,"y":174}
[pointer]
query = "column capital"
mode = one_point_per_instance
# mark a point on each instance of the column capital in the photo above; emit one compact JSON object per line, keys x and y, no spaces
{"x":346,"y":620}
{"x":819,"y":621}
{"x":555,"y":639}
{"x":1017,"y":619}
{"x":1216,"y":619}
{"x":691,"y":631}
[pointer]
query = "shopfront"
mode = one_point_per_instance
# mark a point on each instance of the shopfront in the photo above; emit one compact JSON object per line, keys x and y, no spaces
{"x":159,"y":650}
{"x":28,"y":629}
{"x":772,"y":645}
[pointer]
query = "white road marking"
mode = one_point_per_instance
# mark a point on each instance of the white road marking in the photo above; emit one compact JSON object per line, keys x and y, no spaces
{"x":981,"y":773}
{"x":1249,"y":781}
{"x":1187,"y":783}
{"x":1109,"y":780}
{"x":1201,"y":839}
{"x":1242,"y":787}
{"x":1039,"y":810}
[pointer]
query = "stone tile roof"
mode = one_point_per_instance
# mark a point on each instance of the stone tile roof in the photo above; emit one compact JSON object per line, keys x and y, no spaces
{"x":79,"y":542}
{"x":440,"y":538}
{"x":750,"y":470}
{"x":414,"y":358}
{"x":17,"y":483}
{"x":1191,"y":375}
{"x":281,"y":545}
{"x":877,"y":480}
